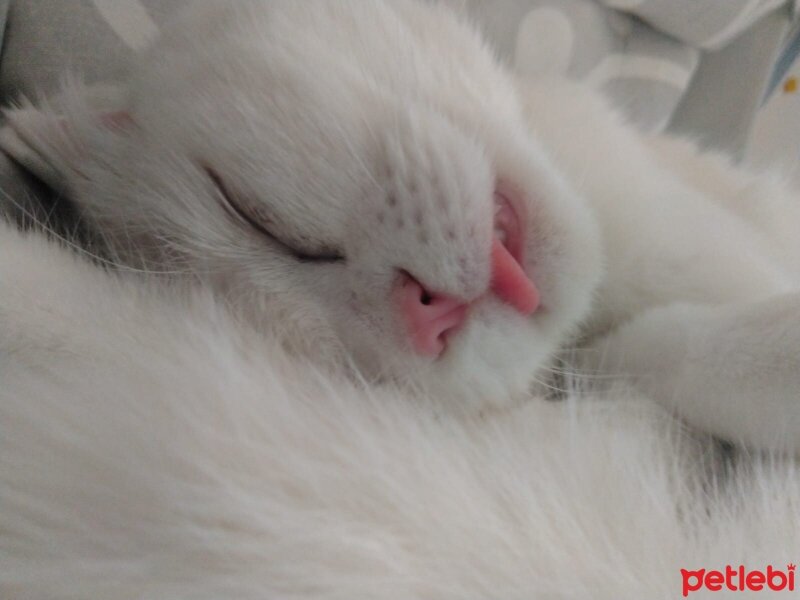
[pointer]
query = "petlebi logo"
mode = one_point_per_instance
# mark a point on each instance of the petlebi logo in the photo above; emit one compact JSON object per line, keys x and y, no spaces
{"x":739,"y":579}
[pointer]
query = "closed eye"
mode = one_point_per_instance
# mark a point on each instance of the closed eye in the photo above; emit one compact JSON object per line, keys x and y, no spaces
{"x":232,"y":207}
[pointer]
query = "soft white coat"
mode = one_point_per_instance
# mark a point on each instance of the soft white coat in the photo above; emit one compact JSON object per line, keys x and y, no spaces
{"x":234,"y":422}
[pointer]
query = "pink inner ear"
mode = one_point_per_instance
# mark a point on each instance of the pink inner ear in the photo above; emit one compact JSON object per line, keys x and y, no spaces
{"x":120,"y":119}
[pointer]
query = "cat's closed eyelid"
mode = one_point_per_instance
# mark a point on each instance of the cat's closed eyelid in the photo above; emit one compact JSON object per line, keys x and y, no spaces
{"x":233,"y":208}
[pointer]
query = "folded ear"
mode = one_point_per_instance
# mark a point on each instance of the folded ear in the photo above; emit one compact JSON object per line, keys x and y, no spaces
{"x":54,"y":140}
{"x":38,"y":141}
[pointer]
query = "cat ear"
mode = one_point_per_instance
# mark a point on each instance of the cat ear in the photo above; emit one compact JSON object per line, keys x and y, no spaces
{"x":52,"y":144}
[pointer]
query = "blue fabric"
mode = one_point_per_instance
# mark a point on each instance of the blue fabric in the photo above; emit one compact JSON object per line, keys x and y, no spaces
{"x":784,"y":62}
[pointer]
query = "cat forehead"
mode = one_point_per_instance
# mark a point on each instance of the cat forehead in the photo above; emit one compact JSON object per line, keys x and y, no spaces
{"x":320,"y":55}
{"x":337,"y":89}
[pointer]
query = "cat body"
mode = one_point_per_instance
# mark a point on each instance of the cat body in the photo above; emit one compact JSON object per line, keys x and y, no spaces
{"x":699,"y":295}
{"x":153,"y":447}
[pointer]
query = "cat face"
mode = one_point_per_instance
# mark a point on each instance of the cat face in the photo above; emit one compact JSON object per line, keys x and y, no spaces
{"x":355,"y":176}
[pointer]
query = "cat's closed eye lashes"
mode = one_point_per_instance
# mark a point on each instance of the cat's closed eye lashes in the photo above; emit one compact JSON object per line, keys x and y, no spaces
{"x":230,"y":204}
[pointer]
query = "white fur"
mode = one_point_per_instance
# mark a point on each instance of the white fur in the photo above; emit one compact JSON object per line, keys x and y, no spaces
{"x":151,"y":448}
{"x":700,"y":302}
{"x":159,"y":441}
{"x":402,"y":125}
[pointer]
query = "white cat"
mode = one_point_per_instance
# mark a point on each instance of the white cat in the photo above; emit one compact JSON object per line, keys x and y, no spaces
{"x":364,"y":180}
{"x":361,"y":181}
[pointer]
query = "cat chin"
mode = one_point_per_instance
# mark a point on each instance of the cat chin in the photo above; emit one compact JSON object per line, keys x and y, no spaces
{"x":491,"y":363}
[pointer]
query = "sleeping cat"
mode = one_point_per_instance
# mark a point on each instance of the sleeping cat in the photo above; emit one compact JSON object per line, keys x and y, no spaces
{"x":367,"y":182}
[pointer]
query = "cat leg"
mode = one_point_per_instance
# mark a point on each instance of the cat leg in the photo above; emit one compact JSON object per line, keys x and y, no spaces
{"x":765,"y":199}
{"x":733,"y":370}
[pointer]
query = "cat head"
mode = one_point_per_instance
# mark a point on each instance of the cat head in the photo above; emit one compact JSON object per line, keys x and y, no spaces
{"x":357,"y":177}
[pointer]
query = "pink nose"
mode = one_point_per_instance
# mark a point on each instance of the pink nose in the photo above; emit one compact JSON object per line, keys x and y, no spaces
{"x":428,"y":316}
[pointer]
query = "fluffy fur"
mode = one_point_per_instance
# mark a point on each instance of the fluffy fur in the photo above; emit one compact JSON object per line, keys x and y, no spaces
{"x":402,"y":125}
{"x":164,"y":435}
{"x":152,"y":449}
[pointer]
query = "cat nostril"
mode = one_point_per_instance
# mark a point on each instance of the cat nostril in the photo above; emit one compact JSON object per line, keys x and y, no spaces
{"x":429,"y":317}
